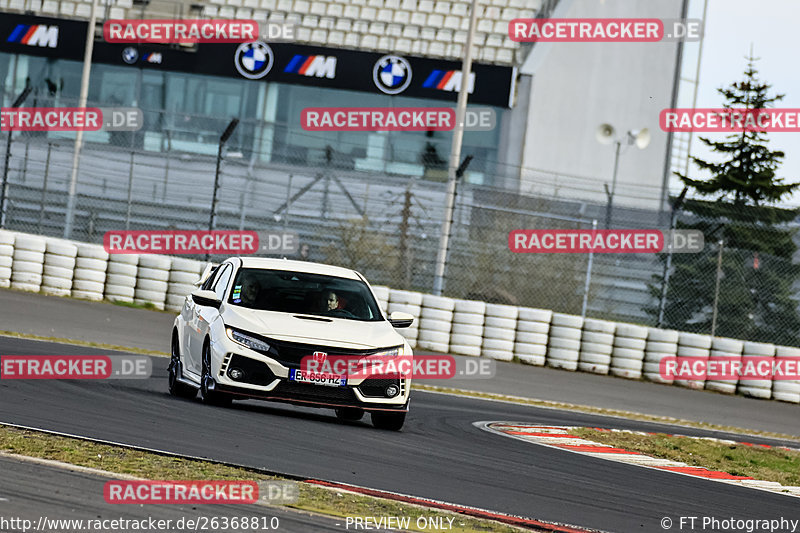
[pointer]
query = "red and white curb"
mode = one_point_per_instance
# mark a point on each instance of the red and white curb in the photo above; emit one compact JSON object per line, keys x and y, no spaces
{"x":560,"y":437}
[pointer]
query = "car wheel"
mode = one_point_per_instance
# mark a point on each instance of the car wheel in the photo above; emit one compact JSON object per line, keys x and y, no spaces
{"x":207,"y":383}
{"x":391,"y":421}
{"x":349,"y":413}
{"x":176,"y":388}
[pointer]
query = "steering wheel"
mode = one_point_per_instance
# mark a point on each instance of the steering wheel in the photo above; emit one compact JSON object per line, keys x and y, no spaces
{"x":341,"y":312}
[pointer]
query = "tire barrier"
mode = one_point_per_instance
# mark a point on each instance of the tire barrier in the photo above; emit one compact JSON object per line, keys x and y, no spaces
{"x":152,"y":280}
{"x":407,"y":302}
{"x":756,"y":388}
{"x":59,"y":266}
{"x":692,"y":345}
{"x":499,"y":332}
{"x":435,"y":323}
{"x":534,"y":336}
{"x":89,"y":276}
{"x":533,"y":329}
{"x":183,"y":275}
{"x":382,"y":296}
{"x":660,"y":343}
{"x":597,"y":343}
{"x":121,"y":277}
{"x":786,"y":390}
{"x":627,"y":355}
{"x":6,"y":258}
{"x":564,"y":342}
{"x":724,"y":351}
{"x":27,"y":265}
{"x":466,"y":335}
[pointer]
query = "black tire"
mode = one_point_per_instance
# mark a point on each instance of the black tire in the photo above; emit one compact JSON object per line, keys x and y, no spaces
{"x":176,"y":388}
{"x":389,"y":421}
{"x":351,"y":414}
{"x":207,"y":383}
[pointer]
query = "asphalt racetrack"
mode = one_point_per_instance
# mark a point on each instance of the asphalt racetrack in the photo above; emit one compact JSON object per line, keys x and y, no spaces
{"x":439,"y":454}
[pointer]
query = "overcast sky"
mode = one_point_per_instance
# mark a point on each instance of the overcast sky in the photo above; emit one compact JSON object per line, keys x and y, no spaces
{"x":771,"y":26}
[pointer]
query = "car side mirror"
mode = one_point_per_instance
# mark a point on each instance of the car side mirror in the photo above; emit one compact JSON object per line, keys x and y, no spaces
{"x":400,"y":319}
{"x":206,"y":298}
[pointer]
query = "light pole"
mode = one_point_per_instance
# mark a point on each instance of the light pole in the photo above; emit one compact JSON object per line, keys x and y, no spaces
{"x":455,"y":155}
{"x":605,"y":135}
{"x":676,"y":205}
{"x":222,"y":140}
{"x":76,"y":154}
{"x":18,"y":102}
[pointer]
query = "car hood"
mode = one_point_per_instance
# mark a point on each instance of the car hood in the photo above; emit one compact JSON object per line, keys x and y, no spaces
{"x":290,"y":327}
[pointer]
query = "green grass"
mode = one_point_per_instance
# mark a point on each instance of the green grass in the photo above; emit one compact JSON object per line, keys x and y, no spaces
{"x":767,"y":464}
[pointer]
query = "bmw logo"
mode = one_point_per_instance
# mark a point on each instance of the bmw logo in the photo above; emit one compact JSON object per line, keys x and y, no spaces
{"x":253,"y":60}
{"x":130,"y":55}
{"x":392,"y":74}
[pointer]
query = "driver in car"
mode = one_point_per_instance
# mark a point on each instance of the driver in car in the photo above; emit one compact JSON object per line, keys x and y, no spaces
{"x":250,"y":292}
{"x":330,"y":301}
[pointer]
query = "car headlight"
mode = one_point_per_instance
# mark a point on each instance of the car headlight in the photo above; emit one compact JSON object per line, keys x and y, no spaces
{"x":389,"y":353}
{"x":246,"y":340}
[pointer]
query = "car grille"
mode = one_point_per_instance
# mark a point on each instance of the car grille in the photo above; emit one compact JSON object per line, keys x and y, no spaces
{"x":290,"y":354}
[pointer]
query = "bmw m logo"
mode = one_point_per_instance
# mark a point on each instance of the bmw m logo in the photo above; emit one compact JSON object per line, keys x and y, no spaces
{"x":253,"y":60}
{"x":130,"y":55}
{"x":392,"y":74}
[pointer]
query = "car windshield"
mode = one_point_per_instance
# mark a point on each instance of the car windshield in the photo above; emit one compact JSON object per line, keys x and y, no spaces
{"x":308,"y":294}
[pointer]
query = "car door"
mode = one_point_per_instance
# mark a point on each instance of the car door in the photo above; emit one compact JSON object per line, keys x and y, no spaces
{"x":205,"y":315}
{"x":194,"y":338}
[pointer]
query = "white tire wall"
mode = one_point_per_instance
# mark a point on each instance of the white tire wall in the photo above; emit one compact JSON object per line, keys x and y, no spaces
{"x":563,"y":344}
{"x":498,"y":340}
{"x":597,"y":343}
{"x":724,"y":351}
{"x":435,"y":323}
{"x":786,"y":390}
{"x":406,"y":302}
{"x":627,"y":354}
{"x":691,"y":346}
{"x":89,"y":276}
{"x":530,"y":343}
{"x":59,"y":263}
{"x":152,"y":280}
{"x":466,"y":335}
{"x":121,"y":277}
{"x":382,"y":296}
{"x":661,"y":344}
{"x":182,"y":276}
{"x":756,"y":388}
{"x":6,"y":257}
{"x":27,"y":264}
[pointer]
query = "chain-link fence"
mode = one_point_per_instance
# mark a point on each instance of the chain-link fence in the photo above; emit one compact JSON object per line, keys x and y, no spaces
{"x":388,"y":227}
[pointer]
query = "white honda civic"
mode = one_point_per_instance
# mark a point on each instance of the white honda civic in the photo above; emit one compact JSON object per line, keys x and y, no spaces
{"x":254,"y":323}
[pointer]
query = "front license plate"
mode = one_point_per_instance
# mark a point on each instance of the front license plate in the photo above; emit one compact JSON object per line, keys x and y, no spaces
{"x":317,"y":378}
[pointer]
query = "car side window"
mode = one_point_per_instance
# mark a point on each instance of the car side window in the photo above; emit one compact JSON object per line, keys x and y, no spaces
{"x":221,"y":284}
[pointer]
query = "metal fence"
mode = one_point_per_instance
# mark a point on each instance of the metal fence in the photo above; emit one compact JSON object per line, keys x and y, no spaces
{"x":388,"y":227}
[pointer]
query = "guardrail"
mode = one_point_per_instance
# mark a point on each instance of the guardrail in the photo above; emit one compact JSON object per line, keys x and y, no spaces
{"x":464,"y":327}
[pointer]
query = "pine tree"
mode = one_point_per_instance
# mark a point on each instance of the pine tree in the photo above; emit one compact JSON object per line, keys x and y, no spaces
{"x":756,"y":286}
